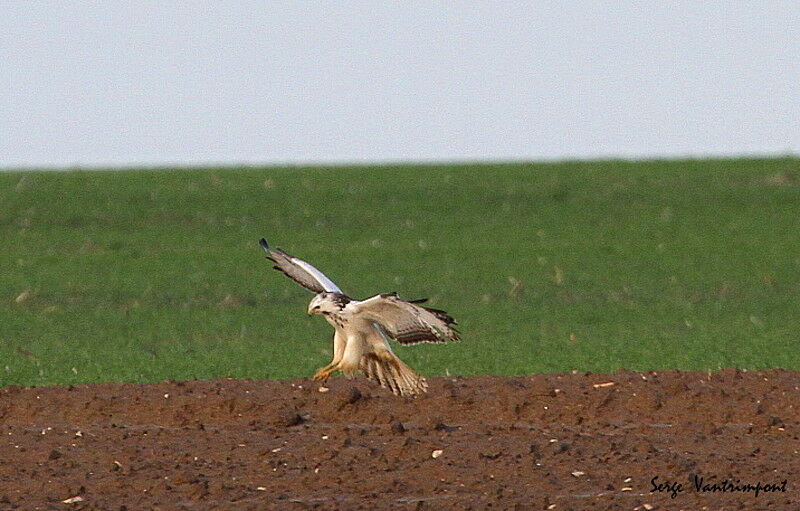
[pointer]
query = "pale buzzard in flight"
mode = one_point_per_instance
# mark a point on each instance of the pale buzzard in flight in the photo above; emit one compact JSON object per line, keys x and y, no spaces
{"x":362,"y":329}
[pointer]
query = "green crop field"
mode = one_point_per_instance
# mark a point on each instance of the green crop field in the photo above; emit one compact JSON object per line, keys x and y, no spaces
{"x":157,"y":274}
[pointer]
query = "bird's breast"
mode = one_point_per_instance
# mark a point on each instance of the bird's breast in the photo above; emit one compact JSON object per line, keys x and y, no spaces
{"x":335,"y":320}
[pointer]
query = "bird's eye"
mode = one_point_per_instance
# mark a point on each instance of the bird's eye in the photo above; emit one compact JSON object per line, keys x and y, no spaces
{"x":316,"y":308}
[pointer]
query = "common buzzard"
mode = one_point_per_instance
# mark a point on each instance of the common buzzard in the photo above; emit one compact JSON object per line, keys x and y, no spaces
{"x":362,"y":329}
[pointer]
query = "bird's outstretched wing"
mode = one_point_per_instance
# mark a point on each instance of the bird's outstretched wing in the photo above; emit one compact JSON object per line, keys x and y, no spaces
{"x":299,"y":270}
{"x":406,"y":322}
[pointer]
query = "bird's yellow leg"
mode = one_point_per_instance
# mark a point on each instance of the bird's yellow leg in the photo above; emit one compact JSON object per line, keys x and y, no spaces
{"x":323,"y":373}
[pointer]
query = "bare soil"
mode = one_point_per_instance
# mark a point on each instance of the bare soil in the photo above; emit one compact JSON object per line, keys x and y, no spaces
{"x":561,"y":441}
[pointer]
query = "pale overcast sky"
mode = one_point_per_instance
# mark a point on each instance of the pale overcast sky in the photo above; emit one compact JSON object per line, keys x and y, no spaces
{"x":125,"y":83}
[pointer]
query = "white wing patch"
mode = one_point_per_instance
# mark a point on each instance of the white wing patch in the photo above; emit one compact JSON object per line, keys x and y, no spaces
{"x":326,"y":283}
{"x":300,"y":271}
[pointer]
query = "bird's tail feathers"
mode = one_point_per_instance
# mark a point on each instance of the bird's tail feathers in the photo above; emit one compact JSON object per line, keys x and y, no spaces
{"x":391,"y":373}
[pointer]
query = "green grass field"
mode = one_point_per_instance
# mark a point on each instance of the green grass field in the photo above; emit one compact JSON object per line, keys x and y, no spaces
{"x":157,"y":274}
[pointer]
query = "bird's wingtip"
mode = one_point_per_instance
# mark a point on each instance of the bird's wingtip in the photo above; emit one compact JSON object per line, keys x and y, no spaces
{"x":264,"y":245}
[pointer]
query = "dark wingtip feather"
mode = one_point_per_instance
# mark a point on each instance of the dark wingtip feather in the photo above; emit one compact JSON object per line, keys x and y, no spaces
{"x":264,"y":245}
{"x":418,"y":300}
{"x":443,"y":315}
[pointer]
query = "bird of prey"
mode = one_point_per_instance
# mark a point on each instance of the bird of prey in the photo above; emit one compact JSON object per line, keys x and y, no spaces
{"x":362,"y":328}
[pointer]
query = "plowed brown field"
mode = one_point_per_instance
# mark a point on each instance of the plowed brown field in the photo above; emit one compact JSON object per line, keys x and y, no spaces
{"x":562,"y":441}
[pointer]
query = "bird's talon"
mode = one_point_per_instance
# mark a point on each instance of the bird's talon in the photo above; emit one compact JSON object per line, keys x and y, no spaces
{"x":322,"y":375}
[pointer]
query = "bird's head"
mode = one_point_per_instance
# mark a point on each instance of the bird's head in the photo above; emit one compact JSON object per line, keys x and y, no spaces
{"x":323,"y":303}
